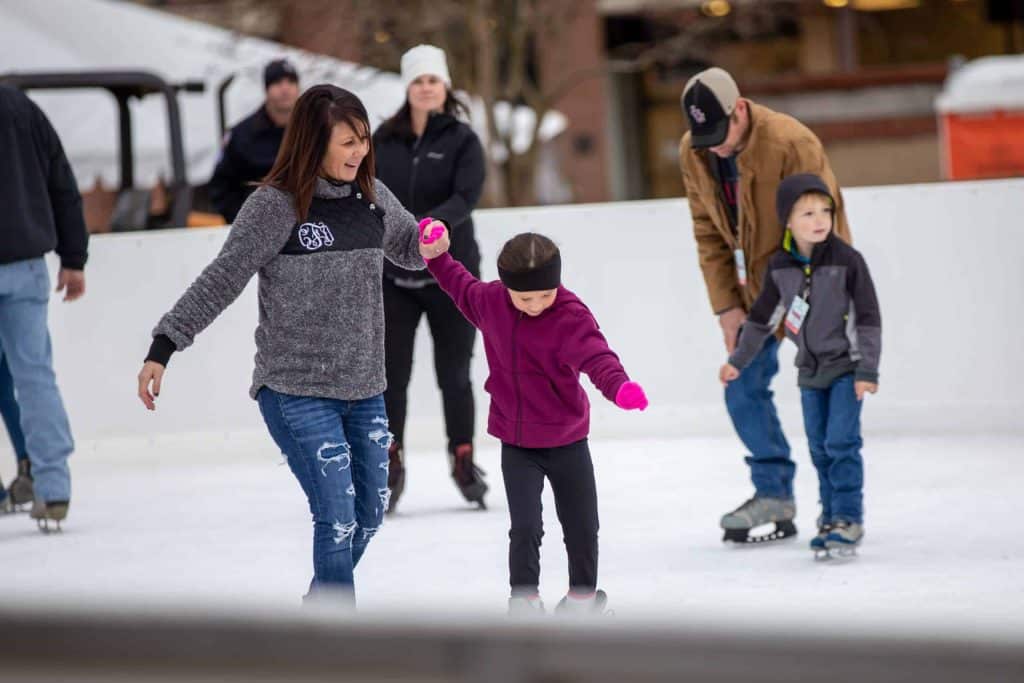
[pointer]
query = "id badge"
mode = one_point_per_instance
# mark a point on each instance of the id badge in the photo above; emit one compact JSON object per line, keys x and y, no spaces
{"x":741,"y":267}
{"x":797,"y":314}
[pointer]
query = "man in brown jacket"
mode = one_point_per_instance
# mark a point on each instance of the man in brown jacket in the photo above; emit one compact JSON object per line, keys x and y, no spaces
{"x":733,"y":159}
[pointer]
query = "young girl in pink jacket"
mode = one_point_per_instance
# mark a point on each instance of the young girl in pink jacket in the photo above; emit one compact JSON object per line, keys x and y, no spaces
{"x":539,"y":337}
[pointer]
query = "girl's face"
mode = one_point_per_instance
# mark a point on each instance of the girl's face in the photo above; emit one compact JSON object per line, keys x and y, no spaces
{"x":533,"y":303}
{"x":345,"y":152}
{"x":427,"y":93}
{"x":811,"y":218}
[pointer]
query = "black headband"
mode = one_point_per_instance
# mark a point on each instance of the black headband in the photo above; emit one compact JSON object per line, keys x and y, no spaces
{"x":548,"y":276}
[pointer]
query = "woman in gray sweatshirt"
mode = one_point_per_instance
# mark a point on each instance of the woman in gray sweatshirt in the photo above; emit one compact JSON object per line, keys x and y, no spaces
{"x":316,"y":234}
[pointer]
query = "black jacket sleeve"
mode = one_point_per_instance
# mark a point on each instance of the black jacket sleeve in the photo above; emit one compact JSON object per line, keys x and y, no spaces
{"x":468,"y":184}
{"x":65,"y":200}
{"x":227,"y":187}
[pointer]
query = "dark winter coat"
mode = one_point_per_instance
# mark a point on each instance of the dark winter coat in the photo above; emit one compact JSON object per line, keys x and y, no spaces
{"x":246,"y":158}
{"x":440,"y":175}
{"x":842,"y":330}
{"x":42,"y":209}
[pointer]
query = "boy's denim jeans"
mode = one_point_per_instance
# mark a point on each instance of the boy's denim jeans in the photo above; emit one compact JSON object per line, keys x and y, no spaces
{"x":832,"y":421}
{"x":25,"y":340}
{"x":749,"y":401}
{"x":338,"y":450}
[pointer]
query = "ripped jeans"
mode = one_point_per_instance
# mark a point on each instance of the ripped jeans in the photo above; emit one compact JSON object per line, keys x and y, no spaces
{"x":338,"y":450}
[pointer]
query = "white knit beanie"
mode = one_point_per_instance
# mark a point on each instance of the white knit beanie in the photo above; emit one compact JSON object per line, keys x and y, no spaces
{"x":425,"y":60}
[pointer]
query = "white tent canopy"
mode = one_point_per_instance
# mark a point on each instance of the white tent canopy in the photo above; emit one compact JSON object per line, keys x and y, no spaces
{"x":78,"y":35}
{"x":985,"y":84}
{"x":81,"y":35}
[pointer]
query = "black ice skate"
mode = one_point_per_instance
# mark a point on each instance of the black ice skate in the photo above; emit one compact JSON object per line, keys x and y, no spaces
{"x":756,"y":512}
{"x":468,"y":477}
{"x":396,"y":475}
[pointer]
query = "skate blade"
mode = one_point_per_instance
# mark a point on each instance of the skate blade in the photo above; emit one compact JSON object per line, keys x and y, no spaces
{"x":743,"y":537}
{"x":843,"y":552}
{"x":822,"y":555}
{"x":49,"y":526}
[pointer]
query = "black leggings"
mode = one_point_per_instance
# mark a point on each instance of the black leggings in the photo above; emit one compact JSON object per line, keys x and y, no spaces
{"x":571,"y":473}
{"x":454,"y":338}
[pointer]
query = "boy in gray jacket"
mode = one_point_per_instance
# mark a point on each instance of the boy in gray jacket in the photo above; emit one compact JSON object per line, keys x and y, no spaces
{"x":822,"y":290}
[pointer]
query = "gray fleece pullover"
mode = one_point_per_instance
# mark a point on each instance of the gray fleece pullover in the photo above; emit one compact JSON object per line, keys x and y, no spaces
{"x":321,"y":309}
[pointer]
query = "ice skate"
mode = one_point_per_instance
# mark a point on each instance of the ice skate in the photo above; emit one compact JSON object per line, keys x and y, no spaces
{"x":584,"y":606}
{"x":756,"y":512}
{"x":525,"y":606}
{"x":20,"y":493}
{"x":844,"y":538}
{"x":468,"y":477}
{"x":818,"y":543}
{"x":54,"y":511}
{"x":396,"y":475}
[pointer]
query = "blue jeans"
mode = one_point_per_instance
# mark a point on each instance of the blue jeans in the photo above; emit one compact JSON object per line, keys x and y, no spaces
{"x":10,"y":412}
{"x":338,"y":450}
{"x":749,"y":402}
{"x":25,"y":340}
{"x":832,"y":421}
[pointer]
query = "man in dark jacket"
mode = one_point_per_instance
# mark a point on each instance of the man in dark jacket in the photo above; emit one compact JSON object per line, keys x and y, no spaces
{"x":42,"y":212}
{"x":251,"y":146}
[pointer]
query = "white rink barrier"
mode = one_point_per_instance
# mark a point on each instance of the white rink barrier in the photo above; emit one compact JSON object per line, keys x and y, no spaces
{"x":945,"y":258}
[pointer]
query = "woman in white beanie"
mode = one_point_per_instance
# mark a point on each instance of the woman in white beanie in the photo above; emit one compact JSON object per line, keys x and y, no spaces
{"x":434,"y":163}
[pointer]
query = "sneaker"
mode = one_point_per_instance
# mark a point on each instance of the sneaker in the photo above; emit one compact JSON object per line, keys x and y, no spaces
{"x":468,"y":477}
{"x":396,"y":475}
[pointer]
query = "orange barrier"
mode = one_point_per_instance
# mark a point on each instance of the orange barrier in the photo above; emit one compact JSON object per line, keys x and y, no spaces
{"x":982,"y":145}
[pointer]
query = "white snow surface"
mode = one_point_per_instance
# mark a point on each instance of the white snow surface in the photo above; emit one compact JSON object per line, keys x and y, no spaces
{"x":217,"y":520}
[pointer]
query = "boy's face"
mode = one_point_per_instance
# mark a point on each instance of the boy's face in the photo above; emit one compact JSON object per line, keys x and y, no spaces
{"x":811,"y":218}
{"x":533,"y":303}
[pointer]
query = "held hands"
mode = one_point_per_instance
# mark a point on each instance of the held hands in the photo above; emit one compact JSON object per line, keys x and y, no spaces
{"x":151,"y":373}
{"x":631,"y":396}
{"x":434,"y":239}
{"x":862,"y":388}
{"x":728,"y":373}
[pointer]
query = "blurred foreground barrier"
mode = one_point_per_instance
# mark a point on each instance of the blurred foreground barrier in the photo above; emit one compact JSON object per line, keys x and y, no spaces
{"x":78,"y":646}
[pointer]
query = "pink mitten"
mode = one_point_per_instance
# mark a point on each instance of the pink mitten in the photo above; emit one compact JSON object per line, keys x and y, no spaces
{"x":434,"y":234}
{"x":631,"y":396}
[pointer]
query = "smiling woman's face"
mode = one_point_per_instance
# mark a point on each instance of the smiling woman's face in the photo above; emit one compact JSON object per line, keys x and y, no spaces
{"x":345,"y":152}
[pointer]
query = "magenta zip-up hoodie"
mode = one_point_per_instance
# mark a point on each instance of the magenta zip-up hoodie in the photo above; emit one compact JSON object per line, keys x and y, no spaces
{"x":535,"y":363}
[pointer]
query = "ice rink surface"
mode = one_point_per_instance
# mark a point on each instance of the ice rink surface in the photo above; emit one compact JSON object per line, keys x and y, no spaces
{"x":219,"y":520}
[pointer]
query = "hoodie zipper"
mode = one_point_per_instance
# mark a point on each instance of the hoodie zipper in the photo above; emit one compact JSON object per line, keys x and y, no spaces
{"x":515,"y":373}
